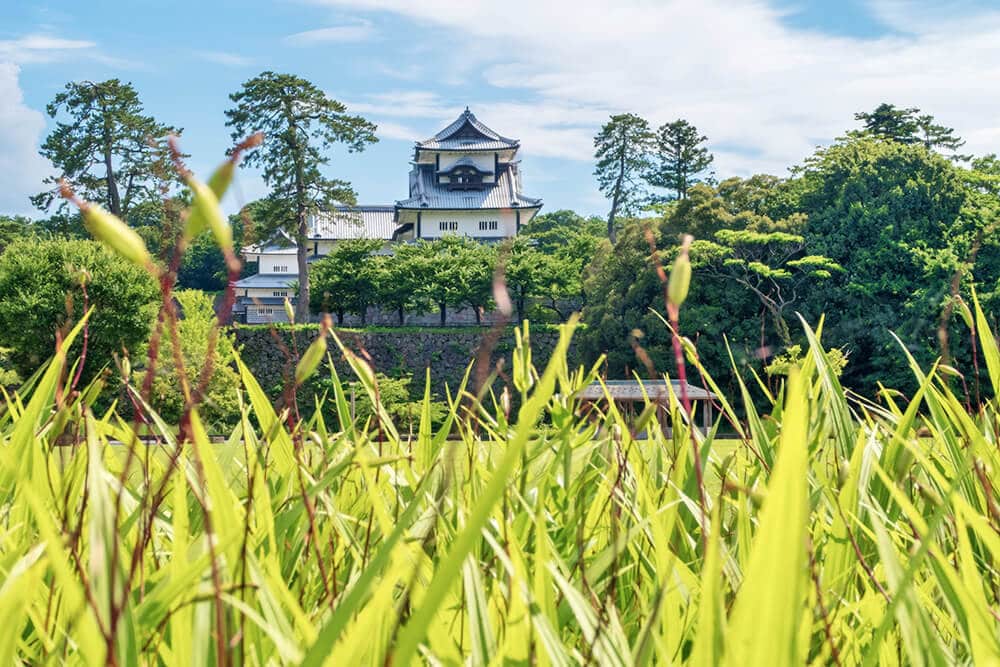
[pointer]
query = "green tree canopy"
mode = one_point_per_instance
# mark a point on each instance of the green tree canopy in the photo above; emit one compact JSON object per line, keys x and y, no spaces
{"x":909,"y":126}
{"x":13,"y":227}
{"x":40,"y":291}
{"x":108,"y":149}
{"x":346,"y":280}
{"x":300,"y":123}
{"x":889,"y":213}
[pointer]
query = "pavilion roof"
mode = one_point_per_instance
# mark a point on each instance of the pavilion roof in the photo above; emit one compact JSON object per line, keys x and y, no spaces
{"x":632,"y":390}
{"x":467,"y":133}
{"x":426,"y":193}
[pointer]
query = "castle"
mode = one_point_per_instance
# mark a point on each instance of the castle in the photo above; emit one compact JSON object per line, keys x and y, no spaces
{"x":464,"y":181}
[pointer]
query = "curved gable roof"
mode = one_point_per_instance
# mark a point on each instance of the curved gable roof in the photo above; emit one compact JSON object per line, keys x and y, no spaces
{"x":467,"y":133}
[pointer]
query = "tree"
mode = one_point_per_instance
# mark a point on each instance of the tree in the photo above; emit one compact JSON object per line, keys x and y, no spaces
{"x":398,"y":282}
{"x":909,"y":126}
{"x":346,"y":280}
{"x":679,"y":157}
{"x":107,"y":148}
{"x":449,"y":272}
{"x":622,"y":152}
{"x":527,"y":273}
{"x":770,"y":264}
{"x":891,"y":214}
{"x":478,"y":261}
{"x":13,"y":227}
{"x":40,"y":291}
{"x":300,"y":122}
{"x":551,"y":231}
{"x":566,"y":243}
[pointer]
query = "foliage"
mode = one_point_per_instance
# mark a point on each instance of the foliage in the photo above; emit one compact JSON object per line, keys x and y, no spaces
{"x":220,"y":409}
{"x":450,"y":272}
{"x":395,"y":397}
{"x":13,"y":227}
{"x":299,"y":122}
{"x":40,"y":292}
{"x":347,"y":279}
{"x":770,"y":264}
{"x":9,"y":377}
{"x":679,"y":156}
{"x":621,"y":149}
{"x":891,"y":215}
{"x":832,"y":531}
{"x":108,"y":149}
{"x":909,"y":126}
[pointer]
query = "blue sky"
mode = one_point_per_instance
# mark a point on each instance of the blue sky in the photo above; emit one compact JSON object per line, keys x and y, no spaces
{"x":766,"y":81}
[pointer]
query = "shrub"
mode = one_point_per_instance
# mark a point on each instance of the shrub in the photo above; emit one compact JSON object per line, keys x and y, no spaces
{"x":221,"y":406}
{"x":40,"y":292}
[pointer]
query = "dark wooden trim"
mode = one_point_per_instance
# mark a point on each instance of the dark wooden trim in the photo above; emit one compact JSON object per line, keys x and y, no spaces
{"x":496,"y":166}
{"x":517,"y":218}
{"x":418,"y":225}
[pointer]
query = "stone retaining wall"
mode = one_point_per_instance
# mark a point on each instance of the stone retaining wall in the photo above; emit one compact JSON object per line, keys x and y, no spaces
{"x":404,"y":352}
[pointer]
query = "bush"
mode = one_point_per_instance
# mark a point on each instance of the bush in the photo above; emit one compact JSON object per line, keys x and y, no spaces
{"x":221,"y":406}
{"x":40,"y":292}
{"x":395,"y":395}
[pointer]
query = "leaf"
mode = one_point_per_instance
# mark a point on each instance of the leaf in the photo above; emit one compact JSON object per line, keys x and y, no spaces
{"x":766,"y":614}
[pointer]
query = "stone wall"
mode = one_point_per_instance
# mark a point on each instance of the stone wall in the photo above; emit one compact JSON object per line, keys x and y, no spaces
{"x":394,"y":352}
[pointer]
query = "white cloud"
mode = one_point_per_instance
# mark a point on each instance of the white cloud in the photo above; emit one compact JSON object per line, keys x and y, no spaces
{"x":764,"y":92}
{"x":552,"y":130}
{"x":225,"y":58}
{"x":356,"y":32}
{"x":21,"y":128}
{"x":40,"y":48}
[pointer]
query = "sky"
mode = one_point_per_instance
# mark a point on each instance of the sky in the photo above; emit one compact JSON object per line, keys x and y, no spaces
{"x":766,"y":80}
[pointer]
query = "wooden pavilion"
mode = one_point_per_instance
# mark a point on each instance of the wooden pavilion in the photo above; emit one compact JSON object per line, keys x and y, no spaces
{"x":631,"y":396}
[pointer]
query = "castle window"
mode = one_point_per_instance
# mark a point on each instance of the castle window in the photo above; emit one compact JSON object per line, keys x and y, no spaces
{"x":280,"y":292}
{"x":448,"y":226}
{"x":488,"y":225}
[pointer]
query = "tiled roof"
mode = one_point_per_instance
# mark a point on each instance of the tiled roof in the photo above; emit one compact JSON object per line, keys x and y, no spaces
{"x":354,"y":222}
{"x":267,"y":281}
{"x":264,"y":300}
{"x":631,"y":390}
{"x":279,"y":244}
{"x":467,"y":133}
{"x":269,"y":249}
{"x":425,"y":193}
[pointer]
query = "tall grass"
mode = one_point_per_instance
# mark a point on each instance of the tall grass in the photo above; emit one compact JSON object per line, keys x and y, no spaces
{"x":831,"y":530}
{"x":837,"y":531}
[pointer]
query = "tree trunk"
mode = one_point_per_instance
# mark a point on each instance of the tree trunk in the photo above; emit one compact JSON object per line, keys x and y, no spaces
{"x":617,"y":197}
{"x":114,"y":201}
{"x":340,"y":318}
{"x":479,"y":315}
{"x":302,"y":257}
{"x":400,"y":312}
{"x":444,"y":312}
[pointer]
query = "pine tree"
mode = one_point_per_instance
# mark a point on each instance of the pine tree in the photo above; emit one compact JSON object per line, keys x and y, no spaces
{"x":299,"y":121}
{"x":107,"y":148}
{"x":680,"y":156}
{"x":622,"y":152}
{"x":909,"y":126}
